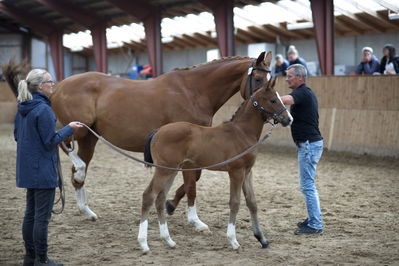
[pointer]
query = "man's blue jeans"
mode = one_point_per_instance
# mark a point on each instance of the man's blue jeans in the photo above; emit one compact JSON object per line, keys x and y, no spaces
{"x":308,"y":156}
{"x":39,"y":204}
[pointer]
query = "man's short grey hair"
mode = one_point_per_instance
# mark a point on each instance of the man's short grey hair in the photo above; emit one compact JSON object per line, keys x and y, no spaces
{"x":299,"y":70}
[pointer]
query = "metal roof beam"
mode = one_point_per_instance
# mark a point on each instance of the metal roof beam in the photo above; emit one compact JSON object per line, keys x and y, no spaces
{"x":388,"y":5}
{"x":137,"y":8}
{"x":40,"y":25}
{"x":372,"y":13}
{"x":282,"y":30}
{"x":356,"y":19}
{"x":73,"y":11}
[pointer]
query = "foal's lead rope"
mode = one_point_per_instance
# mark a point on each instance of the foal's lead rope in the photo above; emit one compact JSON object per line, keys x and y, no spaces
{"x":262,"y":140}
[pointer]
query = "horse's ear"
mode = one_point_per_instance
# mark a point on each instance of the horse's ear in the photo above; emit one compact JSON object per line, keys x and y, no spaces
{"x":268,"y":59}
{"x":261,"y":57}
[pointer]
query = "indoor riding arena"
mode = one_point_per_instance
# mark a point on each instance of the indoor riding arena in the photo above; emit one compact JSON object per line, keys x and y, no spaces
{"x":357,"y":176}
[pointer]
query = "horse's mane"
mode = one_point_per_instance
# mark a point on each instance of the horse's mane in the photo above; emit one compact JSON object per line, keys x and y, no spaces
{"x":215,"y":61}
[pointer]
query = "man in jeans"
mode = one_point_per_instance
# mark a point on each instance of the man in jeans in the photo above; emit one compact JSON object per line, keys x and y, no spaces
{"x":306,"y":135}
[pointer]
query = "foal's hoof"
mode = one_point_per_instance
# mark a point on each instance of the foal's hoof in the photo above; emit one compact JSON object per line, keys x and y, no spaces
{"x":204,"y":230}
{"x":170,"y":208}
{"x":266,"y":245}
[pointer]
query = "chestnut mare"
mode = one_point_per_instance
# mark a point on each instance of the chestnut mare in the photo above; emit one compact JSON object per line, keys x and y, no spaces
{"x":186,"y":145}
{"x":125,"y":111}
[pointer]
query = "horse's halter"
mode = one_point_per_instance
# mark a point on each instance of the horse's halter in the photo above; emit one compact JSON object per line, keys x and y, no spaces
{"x":250,"y":75}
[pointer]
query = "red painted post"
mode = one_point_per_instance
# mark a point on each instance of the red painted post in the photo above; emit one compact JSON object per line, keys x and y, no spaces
{"x":57,"y":53}
{"x":152,"y":26}
{"x":323,"y":19}
{"x":223,"y":13}
{"x":45,"y":28}
{"x":98,"y":33}
{"x":27,"y":48}
{"x":151,"y":16}
{"x":89,"y":19}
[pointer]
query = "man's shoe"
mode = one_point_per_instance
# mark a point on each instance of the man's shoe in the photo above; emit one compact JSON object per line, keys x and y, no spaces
{"x":28,"y":261}
{"x":303,"y":224}
{"x":46,"y":262}
{"x":306,"y":230}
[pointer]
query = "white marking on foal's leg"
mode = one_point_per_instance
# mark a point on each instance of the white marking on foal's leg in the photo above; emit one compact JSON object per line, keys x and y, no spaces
{"x":142,"y":238}
{"x":81,"y":199}
{"x":231,"y":235}
{"x":192,"y":217}
{"x":164,"y":232}
{"x":79,"y":165}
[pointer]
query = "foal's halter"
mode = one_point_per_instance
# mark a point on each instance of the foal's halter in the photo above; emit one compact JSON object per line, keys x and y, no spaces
{"x":250,"y":75}
{"x":263,"y":110}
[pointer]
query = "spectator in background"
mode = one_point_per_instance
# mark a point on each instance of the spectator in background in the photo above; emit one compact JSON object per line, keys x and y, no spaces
{"x":294,"y":58}
{"x":280,"y":68}
{"x":146,"y":73}
{"x":369,"y":64}
{"x":390,"y":62}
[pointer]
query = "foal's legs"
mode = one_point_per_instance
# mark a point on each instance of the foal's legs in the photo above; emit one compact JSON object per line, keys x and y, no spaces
{"x":249,"y":194}
{"x":160,"y":183}
{"x":189,"y":188}
{"x":160,"y":206}
{"x":236,"y":180}
{"x":186,"y":187}
{"x":81,"y":162}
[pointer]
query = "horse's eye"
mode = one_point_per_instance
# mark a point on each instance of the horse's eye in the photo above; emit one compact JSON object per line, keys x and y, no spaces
{"x":273,"y":101}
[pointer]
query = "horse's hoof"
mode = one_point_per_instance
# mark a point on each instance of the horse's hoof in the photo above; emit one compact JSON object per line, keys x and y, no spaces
{"x":170,"y":208}
{"x":145,"y":251}
{"x":266,"y":245}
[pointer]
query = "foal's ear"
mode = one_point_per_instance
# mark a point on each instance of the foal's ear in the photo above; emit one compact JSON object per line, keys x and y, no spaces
{"x":260,"y":58}
{"x":271,"y":83}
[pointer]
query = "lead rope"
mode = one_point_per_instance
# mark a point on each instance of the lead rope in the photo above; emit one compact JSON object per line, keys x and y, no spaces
{"x":60,"y":185}
{"x":250,"y":149}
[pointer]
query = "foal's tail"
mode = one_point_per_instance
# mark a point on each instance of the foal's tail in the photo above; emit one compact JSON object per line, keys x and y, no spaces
{"x":147,"y":148}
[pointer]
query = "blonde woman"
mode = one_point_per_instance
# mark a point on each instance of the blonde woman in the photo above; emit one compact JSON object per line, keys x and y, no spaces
{"x":37,"y":158}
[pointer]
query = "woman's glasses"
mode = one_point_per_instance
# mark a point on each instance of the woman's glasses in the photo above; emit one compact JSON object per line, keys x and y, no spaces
{"x":49,"y":81}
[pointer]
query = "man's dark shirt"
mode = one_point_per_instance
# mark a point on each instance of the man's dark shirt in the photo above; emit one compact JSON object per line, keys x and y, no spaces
{"x":306,"y":116}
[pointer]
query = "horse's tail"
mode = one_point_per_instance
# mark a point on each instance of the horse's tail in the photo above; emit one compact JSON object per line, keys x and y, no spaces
{"x":13,"y":74}
{"x":147,"y":148}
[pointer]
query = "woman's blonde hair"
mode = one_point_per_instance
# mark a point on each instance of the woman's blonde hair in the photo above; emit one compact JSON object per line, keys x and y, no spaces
{"x":30,"y":85}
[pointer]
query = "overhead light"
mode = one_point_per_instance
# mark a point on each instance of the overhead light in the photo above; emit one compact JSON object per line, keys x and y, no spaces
{"x":393,"y":15}
{"x":300,"y":26}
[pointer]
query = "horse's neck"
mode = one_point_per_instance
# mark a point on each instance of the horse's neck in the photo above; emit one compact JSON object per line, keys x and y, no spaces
{"x":218,"y":82}
{"x":247,"y":119}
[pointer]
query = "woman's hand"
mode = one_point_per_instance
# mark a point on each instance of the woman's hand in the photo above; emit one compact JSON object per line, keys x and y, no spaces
{"x":75,"y":125}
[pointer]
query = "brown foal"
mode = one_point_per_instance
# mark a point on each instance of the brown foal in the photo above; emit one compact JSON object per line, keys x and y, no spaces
{"x":186,"y":145}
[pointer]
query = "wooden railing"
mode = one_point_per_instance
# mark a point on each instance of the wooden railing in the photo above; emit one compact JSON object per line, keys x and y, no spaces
{"x":358,"y":114}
